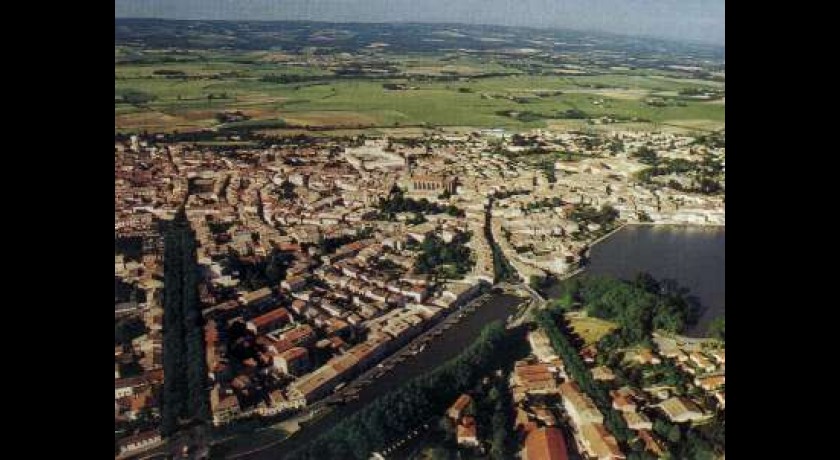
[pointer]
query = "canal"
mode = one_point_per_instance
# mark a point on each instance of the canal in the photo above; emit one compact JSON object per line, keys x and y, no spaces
{"x":445,"y":347}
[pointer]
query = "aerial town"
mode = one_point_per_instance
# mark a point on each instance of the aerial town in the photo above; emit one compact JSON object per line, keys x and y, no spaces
{"x":318,"y":260}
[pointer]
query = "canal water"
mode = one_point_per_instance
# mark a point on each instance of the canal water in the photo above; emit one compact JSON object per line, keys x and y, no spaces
{"x":445,"y":347}
{"x":693,"y":256}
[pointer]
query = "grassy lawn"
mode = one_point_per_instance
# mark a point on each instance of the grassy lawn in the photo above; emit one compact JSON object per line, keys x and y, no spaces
{"x":590,"y":329}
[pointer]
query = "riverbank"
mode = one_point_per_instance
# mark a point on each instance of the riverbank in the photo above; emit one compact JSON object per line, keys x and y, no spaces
{"x":598,"y":240}
{"x":447,"y":345}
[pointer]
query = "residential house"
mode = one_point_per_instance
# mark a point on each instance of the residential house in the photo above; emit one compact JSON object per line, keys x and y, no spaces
{"x":314,"y":385}
{"x":466,"y":432}
{"x":301,"y":336}
{"x":270,"y":321}
{"x":534,"y":378}
{"x":637,"y":421}
{"x":603,"y":373}
{"x":294,"y":361}
{"x":646,"y":356}
{"x":457,"y":409}
{"x":541,"y":346}
{"x":710,"y":383}
{"x":579,"y":406}
{"x":545,"y":444}
{"x":598,"y":443}
{"x":622,"y":402}
{"x":256,"y":298}
{"x":701,"y":361}
{"x":293,"y":284}
{"x":680,"y":410}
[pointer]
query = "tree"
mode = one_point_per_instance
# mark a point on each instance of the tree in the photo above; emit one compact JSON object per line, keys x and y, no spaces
{"x":447,"y":427}
{"x":536,"y":282}
{"x":494,"y":395}
{"x":185,"y":368}
{"x":387,"y":418}
{"x":580,"y":373}
{"x":438,"y":453}
{"x":717,"y":328}
{"x":674,"y":434}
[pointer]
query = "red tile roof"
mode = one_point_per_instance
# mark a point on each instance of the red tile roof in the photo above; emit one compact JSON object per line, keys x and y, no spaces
{"x":274,"y":315}
{"x":461,"y":402}
{"x":546,"y":444}
{"x":294,"y":353}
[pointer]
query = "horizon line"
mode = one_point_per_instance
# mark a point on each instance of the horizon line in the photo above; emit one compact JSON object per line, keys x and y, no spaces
{"x":568,"y":29}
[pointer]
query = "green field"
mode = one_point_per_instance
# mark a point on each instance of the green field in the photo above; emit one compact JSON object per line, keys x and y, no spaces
{"x":148,"y":99}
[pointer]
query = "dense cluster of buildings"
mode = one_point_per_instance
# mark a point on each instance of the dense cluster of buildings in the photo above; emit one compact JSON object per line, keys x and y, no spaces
{"x":705,"y":364}
{"x":302,"y":288}
{"x":556,"y":419}
{"x":539,"y":231}
{"x":305,"y":284}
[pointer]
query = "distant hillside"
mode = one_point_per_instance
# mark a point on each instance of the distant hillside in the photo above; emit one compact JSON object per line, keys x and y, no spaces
{"x":402,"y":37}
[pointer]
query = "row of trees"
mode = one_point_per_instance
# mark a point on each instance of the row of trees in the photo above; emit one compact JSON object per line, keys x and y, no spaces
{"x":682,"y":442}
{"x":578,"y":371}
{"x":554,"y":202}
{"x":492,"y":407}
{"x":185,"y":396}
{"x":717,"y":328}
{"x":585,"y":214}
{"x":391,"y":416}
{"x":503,"y":443}
{"x":396,"y":202}
{"x":502,"y":269}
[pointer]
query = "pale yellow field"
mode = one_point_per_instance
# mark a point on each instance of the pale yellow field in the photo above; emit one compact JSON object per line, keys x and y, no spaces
{"x":567,"y":125}
{"x":276,"y":57}
{"x":439,"y":70}
{"x":569,"y":71}
{"x":626,"y":94}
{"x":590,"y":329}
{"x":326,"y":118}
{"x":159,"y":121}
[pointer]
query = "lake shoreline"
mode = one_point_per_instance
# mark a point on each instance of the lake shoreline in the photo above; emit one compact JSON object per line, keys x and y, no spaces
{"x":687,"y":253}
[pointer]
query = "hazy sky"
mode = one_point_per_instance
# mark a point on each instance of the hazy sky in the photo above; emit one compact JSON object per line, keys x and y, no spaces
{"x":695,"y":20}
